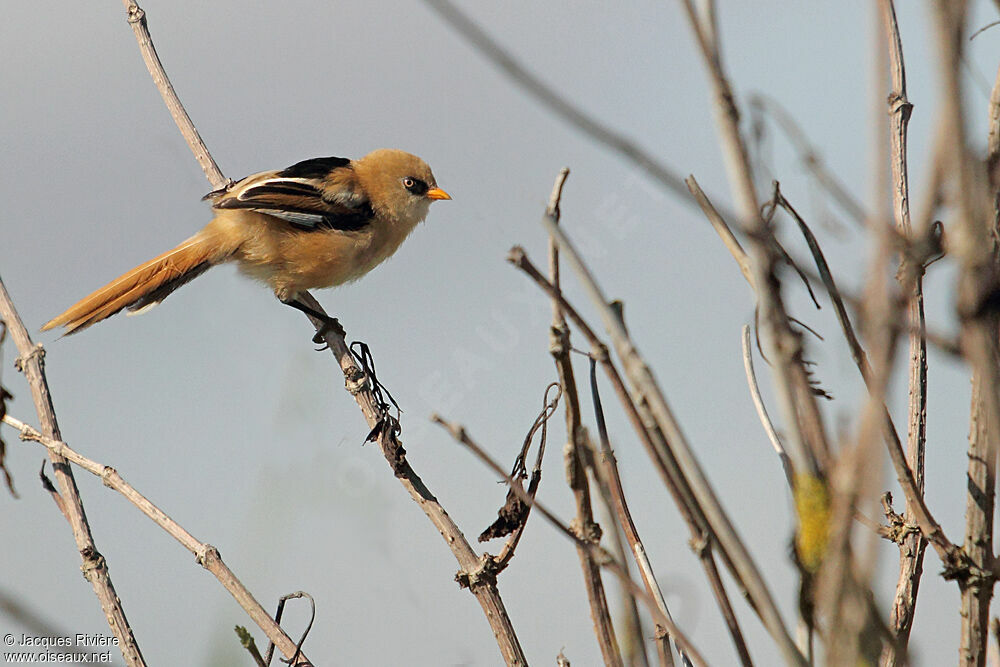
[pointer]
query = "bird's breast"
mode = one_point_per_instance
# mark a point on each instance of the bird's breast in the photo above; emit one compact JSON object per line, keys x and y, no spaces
{"x":291,"y":260}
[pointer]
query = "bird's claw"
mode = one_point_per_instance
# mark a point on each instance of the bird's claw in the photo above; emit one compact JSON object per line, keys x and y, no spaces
{"x":332,"y":324}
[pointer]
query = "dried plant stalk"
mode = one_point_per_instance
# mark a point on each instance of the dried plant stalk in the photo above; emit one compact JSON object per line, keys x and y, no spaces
{"x":94,"y":567}
{"x":475,"y":573}
{"x":576,"y":472}
{"x":659,"y":452}
{"x":911,"y":549}
{"x":137,"y":19}
{"x":206,"y":555}
{"x":600,"y":555}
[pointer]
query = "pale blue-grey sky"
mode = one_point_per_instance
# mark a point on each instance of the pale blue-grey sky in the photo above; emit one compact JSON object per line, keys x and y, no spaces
{"x":215,"y":405}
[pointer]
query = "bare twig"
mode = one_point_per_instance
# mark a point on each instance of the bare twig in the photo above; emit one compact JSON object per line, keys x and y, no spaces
{"x":609,"y":468}
{"x":810,"y":155}
{"x":806,"y":438}
{"x":758,"y":403}
{"x":206,"y":555}
{"x":514,"y":510}
{"x":911,"y":550}
{"x":722,"y":229}
{"x":592,"y":128}
{"x":651,"y":435}
{"x":305,"y":633}
{"x":601,"y":556}
{"x":137,"y":19}
{"x":476,"y":572}
{"x":633,"y":635}
{"x":606,"y":464}
{"x":94,"y":567}
{"x":576,"y":473}
{"x":654,"y":403}
{"x":974,"y":245}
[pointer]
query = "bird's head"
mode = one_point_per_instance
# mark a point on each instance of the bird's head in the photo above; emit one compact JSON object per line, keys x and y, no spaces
{"x":399,"y":185}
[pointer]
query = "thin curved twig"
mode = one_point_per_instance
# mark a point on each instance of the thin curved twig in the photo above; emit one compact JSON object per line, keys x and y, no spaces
{"x":137,"y":19}
{"x":600,"y":555}
{"x":94,"y":567}
{"x":475,"y":574}
{"x":576,"y":472}
{"x":547,"y":96}
{"x":758,"y":403}
{"x":206,"y":555}
{"x":652,"y":437}
{"x":652,"y":399}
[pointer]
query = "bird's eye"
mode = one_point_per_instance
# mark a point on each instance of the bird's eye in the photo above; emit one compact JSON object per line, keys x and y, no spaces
{"x":415,"y":185}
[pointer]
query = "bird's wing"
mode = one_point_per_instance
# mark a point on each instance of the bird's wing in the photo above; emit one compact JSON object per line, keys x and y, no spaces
{"x":322,"y":193}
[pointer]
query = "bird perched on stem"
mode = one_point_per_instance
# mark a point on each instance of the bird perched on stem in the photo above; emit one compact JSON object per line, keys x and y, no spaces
{"x":319,"y":223}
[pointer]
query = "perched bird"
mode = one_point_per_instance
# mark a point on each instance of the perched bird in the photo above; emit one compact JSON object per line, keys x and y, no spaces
{"x":319,"y":223}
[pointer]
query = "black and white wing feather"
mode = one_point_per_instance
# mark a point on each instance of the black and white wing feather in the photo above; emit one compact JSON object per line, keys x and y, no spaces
{"x":316,"y":194}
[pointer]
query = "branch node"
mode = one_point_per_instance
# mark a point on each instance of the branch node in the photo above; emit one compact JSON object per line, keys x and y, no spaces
{"x":600,"y":353}
{"x":558,"y":340}
{"x":967,"y":574}
{"x":899,"y":104}
{"x":355,"y":380}
{"x":136,"y":14}
{"x":36,"y":352}
{"x":106,"y":474}
{"x":897,"y":529}
{"x":93,"y":562}
{"x":699,"y":545}
{"x":206,"y":555}
{"x":588,"y":531}
{"x":485,"y":574}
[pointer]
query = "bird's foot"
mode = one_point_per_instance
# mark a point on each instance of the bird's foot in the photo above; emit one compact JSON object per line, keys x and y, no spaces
{"x":329,"y":324}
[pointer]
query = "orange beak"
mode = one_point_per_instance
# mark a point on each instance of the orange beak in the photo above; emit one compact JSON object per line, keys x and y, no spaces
{"x":437,"y":193}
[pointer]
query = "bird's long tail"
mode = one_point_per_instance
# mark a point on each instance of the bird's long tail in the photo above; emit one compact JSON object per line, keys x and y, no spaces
{"x":145,"y":285}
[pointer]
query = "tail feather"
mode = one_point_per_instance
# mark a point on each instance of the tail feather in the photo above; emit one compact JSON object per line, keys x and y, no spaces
{"x":145,"y":285}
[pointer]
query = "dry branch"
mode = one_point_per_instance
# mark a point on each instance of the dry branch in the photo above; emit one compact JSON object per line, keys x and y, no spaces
{"x":576,"y":471}
{"x":975,"y":246}
{"x":137,"y":19}
{"x":593,"y":129}
{"x":600,"y":555}
{"x":475,"y":573}
{"x":911,"y":549}
{"x":806,"y":436}
{"x":652,"y":402}
{"x":652,"y":437}
{"x":758,"y":402}
{"x":206,"y":555}
{"x":513,"y":510}
{"x":95,"y":569}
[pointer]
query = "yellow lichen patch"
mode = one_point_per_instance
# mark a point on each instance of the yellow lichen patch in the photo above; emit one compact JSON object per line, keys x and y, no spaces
{"x":812,"y":504}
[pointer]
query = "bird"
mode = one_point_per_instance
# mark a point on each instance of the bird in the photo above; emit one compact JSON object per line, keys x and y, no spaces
{"x":319,"y":223}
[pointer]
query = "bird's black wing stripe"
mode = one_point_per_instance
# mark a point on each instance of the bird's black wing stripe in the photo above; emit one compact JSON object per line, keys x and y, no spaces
{"x":351,"y":220}
{"x":280,"y":188}
{"x":317,"y":167}
{"x":308,"y":220}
